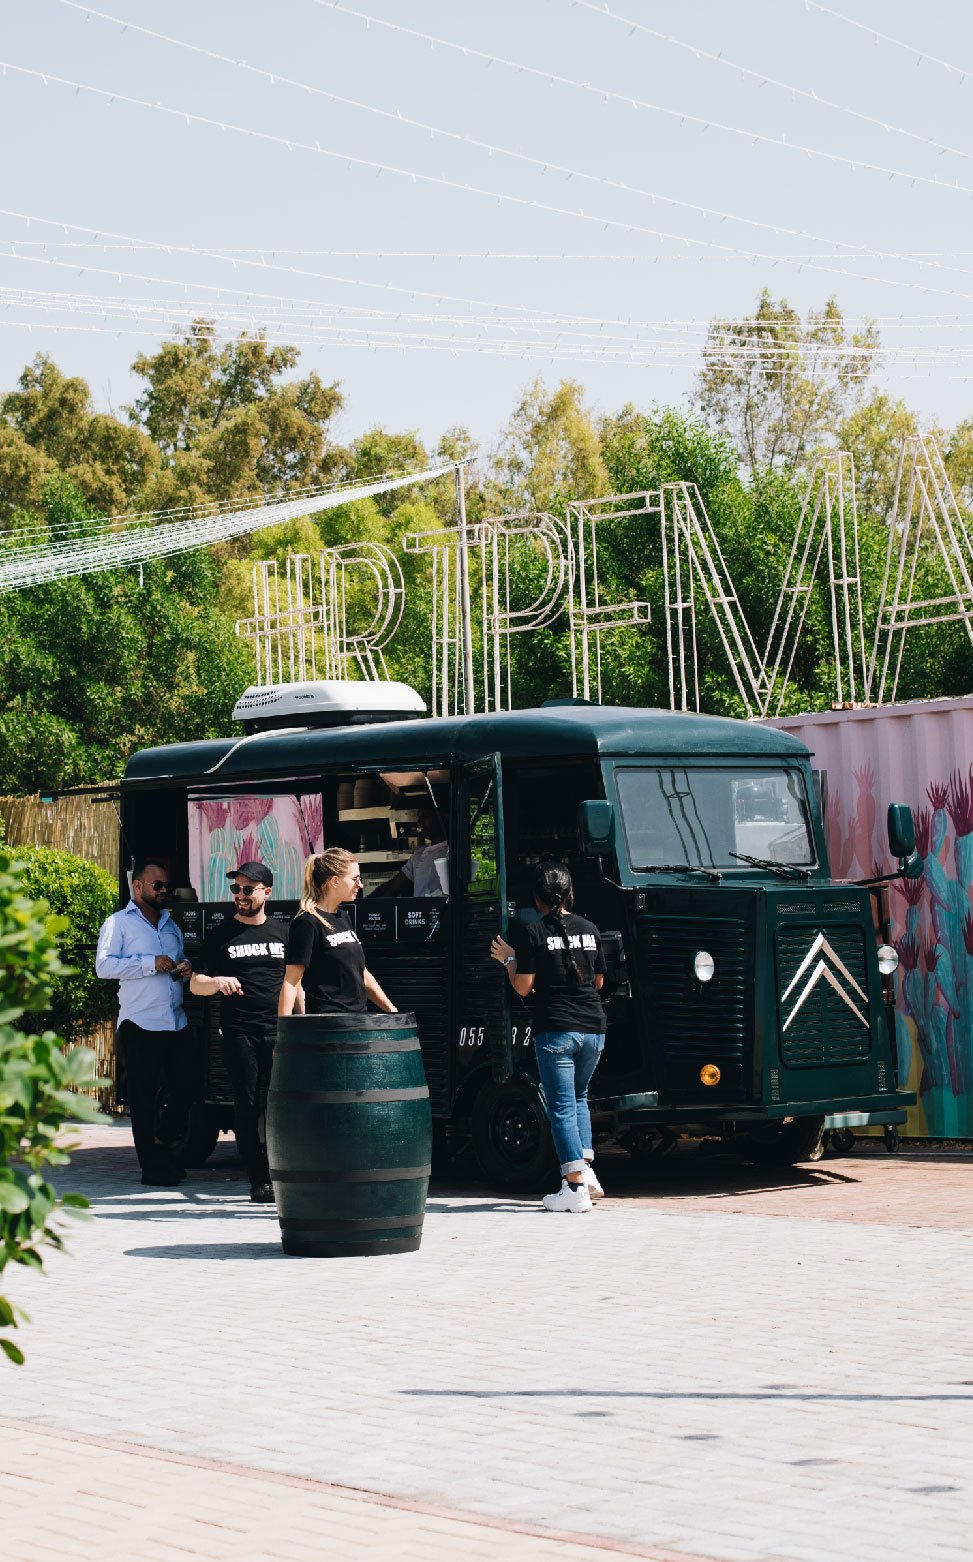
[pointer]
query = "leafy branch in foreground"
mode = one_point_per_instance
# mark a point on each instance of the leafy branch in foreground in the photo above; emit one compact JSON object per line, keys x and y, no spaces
{"x":38,"y":1089}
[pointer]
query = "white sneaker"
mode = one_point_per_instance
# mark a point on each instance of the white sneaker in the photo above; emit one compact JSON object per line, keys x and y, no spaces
{"x":594,"y":1187}
{"x":570,"y":1200}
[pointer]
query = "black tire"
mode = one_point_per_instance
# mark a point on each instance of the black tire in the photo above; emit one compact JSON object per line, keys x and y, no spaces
{"x":196,"y":1138}
{"x":893,"y":1139}
{"x":783,"y":1144}
{"x":842,"y":1141}
{"x":511,"y":1137}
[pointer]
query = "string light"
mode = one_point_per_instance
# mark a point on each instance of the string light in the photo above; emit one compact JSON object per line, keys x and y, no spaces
{"x":624,"y":97}
{"x":275,"y":303}
{"x":606,"y":257}
{"x":238,"y":258}
{"x":570,"y":173}
{"x":630,"y":348}
{"x":760,"y":76}
{"x":502,"y":197}
{"x":437,"y":131}
{"x":50,"y":530}
{"x":919,"y":55}
{"x":315,"y":313}
{"x":519,"y":351}
{"x":89,"y":555}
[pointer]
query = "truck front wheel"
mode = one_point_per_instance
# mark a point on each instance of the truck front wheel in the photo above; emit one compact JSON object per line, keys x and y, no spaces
{"x":511,"y":1137}
{"x":783,"y":1144}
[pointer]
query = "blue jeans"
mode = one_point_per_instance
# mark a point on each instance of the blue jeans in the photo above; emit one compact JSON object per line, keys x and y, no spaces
{"x":566,"y":1061}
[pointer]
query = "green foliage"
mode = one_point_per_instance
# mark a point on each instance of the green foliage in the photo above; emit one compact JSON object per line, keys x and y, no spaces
{"x":550,"y":451}
{"x":83,"y":895}
{"x":223,"y":422}
{"x":777,"y":386}
{"x":95,"y":666}
{"x":38,"y":1088}
{"x":50,"y":428}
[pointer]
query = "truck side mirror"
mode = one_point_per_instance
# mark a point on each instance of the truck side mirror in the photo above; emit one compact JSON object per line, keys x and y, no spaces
{"x":902,"y":840}
{"x":596,"y":828}
{"x":902,"y":834}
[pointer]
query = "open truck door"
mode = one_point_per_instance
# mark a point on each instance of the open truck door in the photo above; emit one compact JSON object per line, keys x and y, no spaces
{"x":510,"y":1134}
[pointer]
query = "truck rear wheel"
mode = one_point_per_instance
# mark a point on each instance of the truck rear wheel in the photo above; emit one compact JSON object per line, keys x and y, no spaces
{"x":511,"y":1138}
{"x":783,"y":1144}
{"x":196,"y":1137}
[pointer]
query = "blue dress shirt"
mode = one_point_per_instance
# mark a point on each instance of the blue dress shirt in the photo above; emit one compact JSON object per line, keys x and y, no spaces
{"x":127,"y":946}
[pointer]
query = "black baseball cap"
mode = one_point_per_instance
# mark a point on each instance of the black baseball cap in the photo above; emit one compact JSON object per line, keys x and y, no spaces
{"x":258,"y":871}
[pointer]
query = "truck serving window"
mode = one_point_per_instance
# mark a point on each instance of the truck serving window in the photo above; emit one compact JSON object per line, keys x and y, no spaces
{"x":702,"y":817}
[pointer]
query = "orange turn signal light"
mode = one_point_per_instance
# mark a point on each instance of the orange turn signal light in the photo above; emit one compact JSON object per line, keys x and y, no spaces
{"x":709,"y":1074}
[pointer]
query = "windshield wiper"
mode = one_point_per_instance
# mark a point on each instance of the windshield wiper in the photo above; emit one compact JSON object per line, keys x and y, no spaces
{"x":682,"y":867}
{"x":787,"y":870}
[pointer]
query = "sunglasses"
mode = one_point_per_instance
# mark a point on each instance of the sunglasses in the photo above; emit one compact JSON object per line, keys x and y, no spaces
{"x":160,"y":884}
{"x":244,"y":889}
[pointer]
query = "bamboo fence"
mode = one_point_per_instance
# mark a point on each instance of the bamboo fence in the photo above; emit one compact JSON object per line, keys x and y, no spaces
{"x":72,"y":824}
{"x":90,"y":830}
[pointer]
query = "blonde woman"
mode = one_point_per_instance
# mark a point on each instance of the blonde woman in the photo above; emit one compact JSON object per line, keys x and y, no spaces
{"x":324,"y":959}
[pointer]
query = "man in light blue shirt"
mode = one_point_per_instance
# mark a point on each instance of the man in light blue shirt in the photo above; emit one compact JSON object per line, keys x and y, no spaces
{"x":141,"y":948}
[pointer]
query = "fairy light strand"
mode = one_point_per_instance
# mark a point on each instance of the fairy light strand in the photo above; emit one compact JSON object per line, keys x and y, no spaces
{"x":272,"y":303}
{"x":505,"y":197}
{"x":283,"y":313}
{"x":765,"y":80}
{"x":278,"y":79}
{"x":920,"y":56}
{"x":623,"y":97}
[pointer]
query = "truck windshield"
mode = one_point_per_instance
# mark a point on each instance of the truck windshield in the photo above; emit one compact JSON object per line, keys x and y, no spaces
{"x":713,"y":817}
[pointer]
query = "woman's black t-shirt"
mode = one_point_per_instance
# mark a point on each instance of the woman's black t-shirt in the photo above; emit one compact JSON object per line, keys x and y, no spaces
{"x":326,"y":945}
{"x":559,"y":1003}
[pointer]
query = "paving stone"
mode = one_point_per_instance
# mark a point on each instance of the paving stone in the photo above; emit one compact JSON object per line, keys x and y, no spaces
{"x":743,"y":1376}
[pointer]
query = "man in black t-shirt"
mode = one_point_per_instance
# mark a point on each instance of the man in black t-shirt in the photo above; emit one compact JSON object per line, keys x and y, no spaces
{"x":243,"y":961}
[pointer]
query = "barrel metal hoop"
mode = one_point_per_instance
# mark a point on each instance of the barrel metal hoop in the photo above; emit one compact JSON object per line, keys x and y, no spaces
{"x":348,"y":1097}
{"x":343,"y":1227}
{"x":328,"y":1049}
{"x":379,"y":1174}
{"x":348,"y":1246}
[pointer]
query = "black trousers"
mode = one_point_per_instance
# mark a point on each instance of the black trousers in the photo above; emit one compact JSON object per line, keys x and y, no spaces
{"x":248,"y":1059}
{"x":154,"y":1060}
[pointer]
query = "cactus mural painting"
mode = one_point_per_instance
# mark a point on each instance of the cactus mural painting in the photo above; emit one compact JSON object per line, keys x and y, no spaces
{"x":921,"y":755}
{"x":279,"y":831}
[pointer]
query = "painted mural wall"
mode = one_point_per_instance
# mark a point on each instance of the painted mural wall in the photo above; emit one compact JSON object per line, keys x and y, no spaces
{"x":281,"y":832}
{"x":920,"y":754}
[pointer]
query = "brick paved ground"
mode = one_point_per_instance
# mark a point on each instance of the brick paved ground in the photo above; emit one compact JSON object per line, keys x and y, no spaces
{"x":794,"y":1382}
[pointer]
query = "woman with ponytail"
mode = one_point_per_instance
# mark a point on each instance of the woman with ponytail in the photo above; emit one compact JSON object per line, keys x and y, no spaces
{"x":325,"y":970}
{"x":560,"y":960}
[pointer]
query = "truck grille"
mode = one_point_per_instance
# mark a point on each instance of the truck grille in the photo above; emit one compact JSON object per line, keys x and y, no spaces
{"x":691,"y":1020}
{"x":823,"y":987}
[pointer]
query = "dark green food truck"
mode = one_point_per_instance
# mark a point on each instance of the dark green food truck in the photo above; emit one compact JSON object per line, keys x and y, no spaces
{"x":746,"y":996}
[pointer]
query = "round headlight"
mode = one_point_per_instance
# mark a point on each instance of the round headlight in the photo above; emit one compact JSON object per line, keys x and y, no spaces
{"x":709,"y":1074}
{"x":704,"y":965}
{"x":888,"y":959}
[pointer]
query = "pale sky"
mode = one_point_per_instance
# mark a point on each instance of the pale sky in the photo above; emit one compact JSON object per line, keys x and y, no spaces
{"x":391,"y":280}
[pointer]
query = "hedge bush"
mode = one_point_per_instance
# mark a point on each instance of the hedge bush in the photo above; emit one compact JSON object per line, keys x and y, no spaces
{"x":84,"y":895}
{"x":38,"y":1081}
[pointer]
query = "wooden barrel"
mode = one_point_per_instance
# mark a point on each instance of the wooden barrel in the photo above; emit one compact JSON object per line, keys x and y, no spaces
{"x":349,"y":1134}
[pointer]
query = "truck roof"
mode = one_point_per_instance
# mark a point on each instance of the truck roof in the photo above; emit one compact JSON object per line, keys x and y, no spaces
{"x":554,"y":731}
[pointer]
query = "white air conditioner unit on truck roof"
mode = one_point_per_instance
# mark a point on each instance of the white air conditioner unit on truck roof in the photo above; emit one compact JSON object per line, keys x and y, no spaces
{"x":336,"y":702}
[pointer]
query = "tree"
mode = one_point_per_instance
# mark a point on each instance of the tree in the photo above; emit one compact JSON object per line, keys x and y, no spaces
{"x":873,"y":431}
{"x":49,"y":427}
{"x":549,"y":453}
{"x":225,"y":423}
{"x":957,"y":450}
{"x":38,"y":1085}
{"x":95,"y":666}
{"x":776,"y":387}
